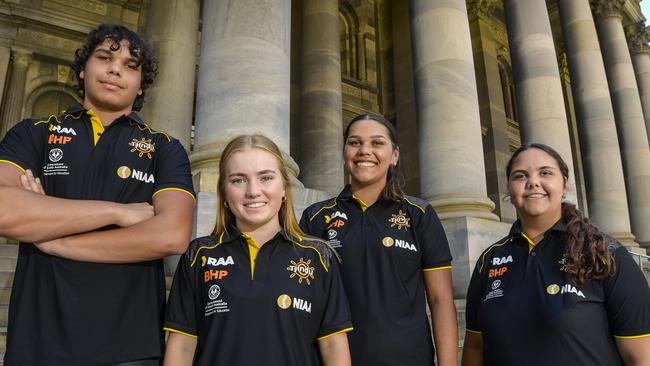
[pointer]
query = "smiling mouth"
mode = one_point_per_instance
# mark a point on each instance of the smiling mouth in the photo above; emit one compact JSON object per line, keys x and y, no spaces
{"x":110,"y":85}
{"x":535,"y":195}
{"x":254,"y":204}
{"x":365,"y":163}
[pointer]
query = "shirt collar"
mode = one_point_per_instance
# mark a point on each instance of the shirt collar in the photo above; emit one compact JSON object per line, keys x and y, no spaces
{"x":133,"y":116}
{"x":234,"y":233}
{"x":515,"y":230}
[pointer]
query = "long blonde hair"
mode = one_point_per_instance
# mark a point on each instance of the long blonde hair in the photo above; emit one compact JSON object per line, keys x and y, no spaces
{"x":225,"y":218}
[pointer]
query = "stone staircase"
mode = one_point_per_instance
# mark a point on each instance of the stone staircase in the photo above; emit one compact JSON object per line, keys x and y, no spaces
{"x":8,"y":254}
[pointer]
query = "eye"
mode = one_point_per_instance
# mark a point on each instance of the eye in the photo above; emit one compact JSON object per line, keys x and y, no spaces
{"x":518,"y":176}
{"x":237,"y":181}
{"x":354,"y":143}
{"x":545,"y":172}
{"x":133,"y":66}
{"x":378,"y":143}
{"x":267,"y":178}
{"x":103,"y":57}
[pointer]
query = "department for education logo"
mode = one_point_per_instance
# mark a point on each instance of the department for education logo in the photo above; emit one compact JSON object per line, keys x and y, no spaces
{"x":400,"y":220}
{"x":214,"y":292}
{"x":496,"y":284}
{"x":142,"y":147}
{"x":331,"y":234}
{"x":301,"y":269}
{"x":55,"y":155}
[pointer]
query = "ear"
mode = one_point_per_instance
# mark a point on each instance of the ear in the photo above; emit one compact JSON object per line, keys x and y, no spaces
{"x":81,"y":74}
{"x":140,"y":92}
{"x":395,"y":157}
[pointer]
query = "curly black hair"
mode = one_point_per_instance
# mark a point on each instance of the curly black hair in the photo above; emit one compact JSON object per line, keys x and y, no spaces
{"x":139,"y":48}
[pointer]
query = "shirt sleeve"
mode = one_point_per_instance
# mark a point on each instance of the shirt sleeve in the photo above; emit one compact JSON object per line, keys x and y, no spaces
{"x":435,"y":248}
{"x":173,"y":169}
{"x":22,"y":146}
{"x":473,"y":301}
{"x":336,"y":317}
{"x":305,"y":224}
{"x":181,"y":305}
{"x":627,"y":298}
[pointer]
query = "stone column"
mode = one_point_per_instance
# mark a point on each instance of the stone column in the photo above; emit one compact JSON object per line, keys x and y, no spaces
{"x":630,"y":125}
{"x":12,"y":107}
{"x":638,"y":42}
{"x":606,"y":195}
{"x":452,"y":171}
{"x":321,"y":126}
{"x":496,"y":149}
{"x":172,"y":28}
{"x":540,"y":102}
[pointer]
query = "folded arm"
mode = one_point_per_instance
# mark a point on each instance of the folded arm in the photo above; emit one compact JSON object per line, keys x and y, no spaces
{"x":29,"y":216}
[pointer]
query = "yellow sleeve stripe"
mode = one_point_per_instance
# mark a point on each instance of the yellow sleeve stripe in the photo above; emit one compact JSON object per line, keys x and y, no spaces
{"x":179,"y":332}
{"x":206,"y":247}
{"x":435,"y":268}
{"x":472,"y":331}
{"x":14,"y":164}
{"x":321,"y":209}
{"x":173,"y":189}
{"x":489,"y":249}
{"x":317,"y":252}
{"x":632,"y":337}
{"x":335,"y":333}
{"x":413,"y":204}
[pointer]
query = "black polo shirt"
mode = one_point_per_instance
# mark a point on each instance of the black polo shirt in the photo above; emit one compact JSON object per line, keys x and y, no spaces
{"x":529,"y":313}
{"x":384,"y":249}
{"x":257,"y":306}
{"x":64,"y":312}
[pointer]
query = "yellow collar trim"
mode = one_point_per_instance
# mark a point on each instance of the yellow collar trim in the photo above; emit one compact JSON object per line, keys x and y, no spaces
{"x":98,"y":127}
{"x":363,"y":205}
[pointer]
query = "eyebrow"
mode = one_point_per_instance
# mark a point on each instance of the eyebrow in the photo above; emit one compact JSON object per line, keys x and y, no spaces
{"x":372,"y":137}
{"x":261,"y":172}
{"x":110,"y":52}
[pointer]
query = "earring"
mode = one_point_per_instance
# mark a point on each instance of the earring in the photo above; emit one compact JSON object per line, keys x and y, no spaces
{"x":225,"y":204}
{"x":284,"y":198}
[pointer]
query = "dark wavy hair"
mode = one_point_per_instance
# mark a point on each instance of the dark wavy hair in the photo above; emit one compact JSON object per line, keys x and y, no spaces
{"x":586,"y":253}
{"x":139,"y":48}
{"x":394,"y":178}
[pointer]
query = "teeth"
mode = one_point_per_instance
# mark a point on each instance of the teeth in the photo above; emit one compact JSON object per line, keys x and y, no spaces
{"x":536,"y":195}
{"x":365,"y":163}
{"x":255,"y":204}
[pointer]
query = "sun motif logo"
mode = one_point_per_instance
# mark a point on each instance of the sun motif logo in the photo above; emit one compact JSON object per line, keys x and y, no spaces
{"x":302,"y":270}
{"x":400,"y":220}
{"x":142,"y":147}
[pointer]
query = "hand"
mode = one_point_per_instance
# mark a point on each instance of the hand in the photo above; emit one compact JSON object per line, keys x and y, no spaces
{"x":133,"y":213}
{"x":31,"y":183}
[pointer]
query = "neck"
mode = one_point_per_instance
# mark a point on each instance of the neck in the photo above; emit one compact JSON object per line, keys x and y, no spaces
{"x":535,"y":227}
{"x":260,"y":234}
{"x":369,"y":194}
{"x":106,"y":116}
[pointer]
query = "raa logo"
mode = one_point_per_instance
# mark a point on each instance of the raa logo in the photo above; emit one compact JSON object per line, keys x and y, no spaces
{"x":400,"y":220}
{"x":142,"y":147}
{"x":496,"y":261}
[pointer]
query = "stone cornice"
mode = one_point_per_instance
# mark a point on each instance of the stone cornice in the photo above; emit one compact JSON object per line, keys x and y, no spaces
{"x":607,"y":8}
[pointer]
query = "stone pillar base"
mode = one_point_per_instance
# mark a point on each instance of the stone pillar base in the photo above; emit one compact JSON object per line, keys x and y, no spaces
{"x":468,"y":237}
{"x":454,"y":206}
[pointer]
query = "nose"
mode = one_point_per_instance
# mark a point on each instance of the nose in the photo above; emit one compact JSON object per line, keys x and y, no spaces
{"x":364,"y":149}
{"x":252,"y":189}
{"x":115,"y":68}
{"x":533,"y":181}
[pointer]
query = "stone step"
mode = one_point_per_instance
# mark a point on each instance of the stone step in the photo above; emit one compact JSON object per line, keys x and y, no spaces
{"x":6,"y":278}
{"x":5,"y":293}
{"x":4,"y":315}
{"x":7,"y":264}
{"x":8,"y":250}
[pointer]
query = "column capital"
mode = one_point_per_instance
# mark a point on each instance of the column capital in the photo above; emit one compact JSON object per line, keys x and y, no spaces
{"x":21,"y":58}
{"x":607,"y":8}
{"x":483,"y":8}
{"x":638,"y":36}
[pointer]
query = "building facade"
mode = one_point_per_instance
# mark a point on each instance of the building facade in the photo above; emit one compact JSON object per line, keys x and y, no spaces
{"x":465,"y":82}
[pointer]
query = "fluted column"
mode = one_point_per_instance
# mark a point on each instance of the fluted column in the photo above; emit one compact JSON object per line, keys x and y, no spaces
{"x":321,"y":126}
{"x":638,"y":42}
{"x":172,"y":28}
{"x":540,"y":103}
{"x":630,"y":125}
{"x":452,"y":171}
{"x":600,"y":150}
{"x":12,"y":107}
